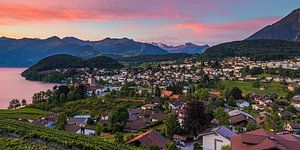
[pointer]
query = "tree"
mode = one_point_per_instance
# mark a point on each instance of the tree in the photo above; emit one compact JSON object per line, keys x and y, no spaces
{"x":23,"y":102}
{"x":221,"y":115}
{"x":226,"y":147}
{"x":63,"y":97}
{"x":172,"y":126}
{"x":14,"y":103}
{"x":197,"y":146}
{"x":61,"y":121}
{"x":80,"y":91}
{"x":177,"y":89}
{"x":227,"y":93}
{"x":118,"y":138}
{"x":251,"y":126}
{"x":255,"y":84}
{"x":157,"y":92}
{"x":202,"y":94}
{"x":118,"y":118}
{"x":62,"y":89}
{"x":236,"y":93}
{"x":98,"y":129}
{"x":196,"y":118}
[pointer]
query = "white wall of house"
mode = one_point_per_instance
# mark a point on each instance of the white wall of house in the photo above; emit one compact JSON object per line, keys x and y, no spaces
{"x":214,"y":142}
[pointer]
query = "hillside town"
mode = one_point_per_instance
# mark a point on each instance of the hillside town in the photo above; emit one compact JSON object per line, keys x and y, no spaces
{"x":184,"y":105}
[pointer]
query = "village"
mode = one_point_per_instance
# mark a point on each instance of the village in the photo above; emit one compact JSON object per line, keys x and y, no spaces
{"x":183,"y":104}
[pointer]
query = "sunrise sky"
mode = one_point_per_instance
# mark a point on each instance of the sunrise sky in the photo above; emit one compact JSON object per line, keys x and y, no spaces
{"x":169,"y":21}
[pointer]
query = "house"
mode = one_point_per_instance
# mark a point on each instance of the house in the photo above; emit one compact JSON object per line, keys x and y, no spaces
{"x":136,"y":125}
{"x":148,"y":106}
{"x":43,"y":122}
{"x":286,"y":115}
{"x":216,"y":138}
{"x":296,"y":102}
{"x":292,"y":127}
{"x":149,"y":139}
{"x":179,"y":138}
{"x":238,"y":117}
{"x":175,"y":105}
{"x":166,"y":94}
{"x":52,"y":116}
{"x":262,"y":139}
{"x":74,"y":128}
{"x":79,"y":119}
{"x":242,"y":103}
{"x":239,"y":120}
{"x":104,"y":118}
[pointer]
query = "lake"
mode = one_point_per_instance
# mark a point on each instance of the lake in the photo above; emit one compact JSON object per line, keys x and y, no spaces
{"x":13,"y":85}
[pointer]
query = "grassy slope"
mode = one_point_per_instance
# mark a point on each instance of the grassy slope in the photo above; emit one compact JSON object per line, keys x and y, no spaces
{"x":246,"y":87}
{"x":28,"y":113}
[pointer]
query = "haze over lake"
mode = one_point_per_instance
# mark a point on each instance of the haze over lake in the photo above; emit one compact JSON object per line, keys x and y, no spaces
{"x":13,"y":85}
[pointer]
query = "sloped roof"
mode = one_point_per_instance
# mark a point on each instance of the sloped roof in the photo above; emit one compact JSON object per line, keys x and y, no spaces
{"x":150,"y":138}
{"x":221,"y":130}
{"x":262,"y":139}
{"x":225,"y":132}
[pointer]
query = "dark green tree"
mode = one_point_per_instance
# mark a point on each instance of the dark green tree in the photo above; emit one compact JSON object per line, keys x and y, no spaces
{"x":172,"y":126}
{"x":118,"y":118}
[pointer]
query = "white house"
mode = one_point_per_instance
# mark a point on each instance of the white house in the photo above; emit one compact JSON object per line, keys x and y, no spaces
{"x":296,"y":102}
{"x":216,"y":138}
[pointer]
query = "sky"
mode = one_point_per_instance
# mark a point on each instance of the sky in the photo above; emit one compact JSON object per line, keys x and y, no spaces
{"x":168,"y":21}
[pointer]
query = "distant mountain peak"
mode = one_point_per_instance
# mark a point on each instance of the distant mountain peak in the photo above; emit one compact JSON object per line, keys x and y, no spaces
{"x":188,"y":47}
{"x":54,"y":38}
{"x":288,"y":28}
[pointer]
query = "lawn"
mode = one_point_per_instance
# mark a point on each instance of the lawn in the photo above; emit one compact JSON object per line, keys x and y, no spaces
{"x":28,"y":113}
{"x":246,"y":87}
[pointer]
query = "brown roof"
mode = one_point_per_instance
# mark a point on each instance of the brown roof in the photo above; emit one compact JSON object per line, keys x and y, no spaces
{"x":103,"y":122}
{"x":150,"y":138}
{"x":296,"y":101}
{"x":237,"y":119}
{"x":179,"y":137}
{"x":73,"y":128}
{"x":136,"y":125}
{"x":262,"y":140}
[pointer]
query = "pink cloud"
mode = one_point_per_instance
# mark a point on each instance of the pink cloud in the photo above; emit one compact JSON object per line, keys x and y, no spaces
{"x":219,"y":30}
{"x":13,"y":13}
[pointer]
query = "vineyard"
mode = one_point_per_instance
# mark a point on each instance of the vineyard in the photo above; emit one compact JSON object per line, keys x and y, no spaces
{"x":62,"y":138}
{"x":13,"y":144}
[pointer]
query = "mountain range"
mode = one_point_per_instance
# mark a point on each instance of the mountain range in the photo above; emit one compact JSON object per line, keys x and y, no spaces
{"x":189,"y":48}
{"x":288,"y":28}
{"x":27,"y":51}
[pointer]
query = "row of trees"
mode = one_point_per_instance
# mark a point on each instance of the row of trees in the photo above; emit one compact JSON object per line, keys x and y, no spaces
{"x":15,"y":103}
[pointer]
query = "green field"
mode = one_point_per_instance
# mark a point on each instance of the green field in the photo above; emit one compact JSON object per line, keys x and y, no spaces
{"x":246,"y":87}
{"x":28,"y":113}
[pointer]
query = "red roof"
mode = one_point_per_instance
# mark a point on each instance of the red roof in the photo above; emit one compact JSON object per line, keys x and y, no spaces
{"x":150,"y":138}
{"x":167,"y":93}
{"x":261,"y":140}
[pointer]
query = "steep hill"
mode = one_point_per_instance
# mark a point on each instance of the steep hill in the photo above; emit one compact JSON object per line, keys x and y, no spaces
{"x":255,"y":49}
{"x":288,"y":28}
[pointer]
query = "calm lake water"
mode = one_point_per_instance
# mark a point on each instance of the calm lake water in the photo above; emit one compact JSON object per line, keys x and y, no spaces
{"x":13,"y":85}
